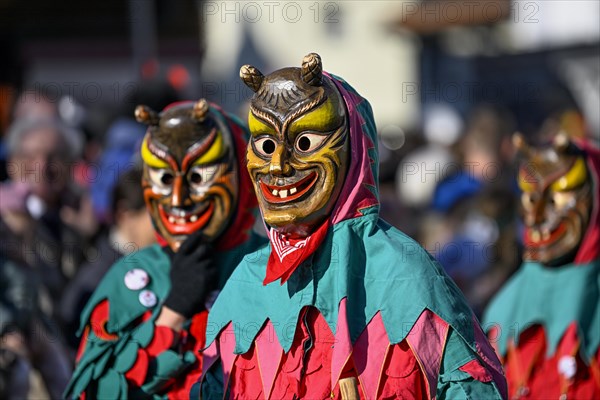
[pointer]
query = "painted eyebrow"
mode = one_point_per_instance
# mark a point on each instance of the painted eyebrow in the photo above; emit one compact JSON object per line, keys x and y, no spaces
{"x":159,"y":152}
{"x":572,"y":178}
{"x":200,"y":148}
{"x":316,"y":119}
{"x":260,"y":123}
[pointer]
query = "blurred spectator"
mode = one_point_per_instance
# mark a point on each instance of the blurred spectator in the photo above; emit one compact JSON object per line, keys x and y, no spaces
{"x":131,"y":230}
{"x":32,"y":104}
{"x":41,"y":154}
{"x":472,"y":232}
{"x":29,"y":337}
{"x":122,"y":144}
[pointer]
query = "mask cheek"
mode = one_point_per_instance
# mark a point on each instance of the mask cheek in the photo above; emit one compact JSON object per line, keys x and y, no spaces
{"x":562,"y":201}
{"x":256,"y":166}
{"x":224,"y":195}
{"x":254,"y":161}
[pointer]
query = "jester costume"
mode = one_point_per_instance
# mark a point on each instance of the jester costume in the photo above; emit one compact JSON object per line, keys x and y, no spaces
{"x":192,"y":183}
{"x":545,"y":322}
{"x":339,"y":304}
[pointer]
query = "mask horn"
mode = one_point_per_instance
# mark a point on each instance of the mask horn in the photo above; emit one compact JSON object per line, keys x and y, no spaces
{"x":200,"y":110}
{"x":146,"y":115}
{"x":520,"y":144}
{"x":252,"y":77}
{"x":560,"y":142}
{"x":312,"y":69}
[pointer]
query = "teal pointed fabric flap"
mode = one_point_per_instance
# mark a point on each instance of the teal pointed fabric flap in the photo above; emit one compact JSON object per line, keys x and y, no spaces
{"x":144,"y":333}
{"x":77,"y":386}
{"x":100,"y":364}
{"x":109,"y":385}
{"x":126,"y":358}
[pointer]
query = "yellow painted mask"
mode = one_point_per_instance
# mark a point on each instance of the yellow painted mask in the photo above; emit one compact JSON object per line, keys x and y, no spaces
{"x":298,"y":151}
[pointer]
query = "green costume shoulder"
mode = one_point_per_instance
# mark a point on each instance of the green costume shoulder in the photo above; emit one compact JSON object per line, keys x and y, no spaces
{"x":552,"y":297}
{"x":103,"y":364}
{"x":101,"y":368}
{"x":113,"y":287}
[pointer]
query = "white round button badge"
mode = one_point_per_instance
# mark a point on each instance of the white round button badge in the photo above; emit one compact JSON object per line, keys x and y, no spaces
{"x":136,"y":279}
{"x":148,"y":298}
{"x":567,"y":366}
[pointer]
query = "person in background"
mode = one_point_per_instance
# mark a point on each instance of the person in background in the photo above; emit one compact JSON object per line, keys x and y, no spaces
{"x":29,"y":334}
{"x":131,"y":230}
{"x":545,"y":321}
{"x":41,"y":154}
{"x":143,"y":327}
{"x":471,"y":227}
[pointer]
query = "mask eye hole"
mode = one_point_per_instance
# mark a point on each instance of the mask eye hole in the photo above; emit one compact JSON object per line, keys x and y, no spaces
{"x":201,"y":176}
{"x":195,"y":178}
{"x":167,"y":179}
{"x":161,"y":179}
{"x":309,"y":142}
{"x":265,"y":146}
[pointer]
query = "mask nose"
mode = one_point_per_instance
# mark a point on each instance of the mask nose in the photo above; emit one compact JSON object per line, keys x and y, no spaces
{"x":536,"y":207}
{"x":181,"y":193}
{"x":280,"y":165}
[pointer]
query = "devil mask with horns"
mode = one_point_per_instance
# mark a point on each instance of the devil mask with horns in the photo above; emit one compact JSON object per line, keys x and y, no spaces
{"x":298,"y":152}
{"x":190,"y":176}
{"x":557,"y":199}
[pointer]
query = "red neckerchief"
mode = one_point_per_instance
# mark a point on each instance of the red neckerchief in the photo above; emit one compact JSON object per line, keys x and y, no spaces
{"x":287,"y":254}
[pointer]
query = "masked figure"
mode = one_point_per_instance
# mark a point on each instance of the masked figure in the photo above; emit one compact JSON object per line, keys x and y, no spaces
{"x":545,"y":322}
{"x":202,"y":207}
{"x":339,"y":304}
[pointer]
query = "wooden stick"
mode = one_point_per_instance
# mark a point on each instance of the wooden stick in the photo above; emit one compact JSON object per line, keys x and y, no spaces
{"x":349,"y":388}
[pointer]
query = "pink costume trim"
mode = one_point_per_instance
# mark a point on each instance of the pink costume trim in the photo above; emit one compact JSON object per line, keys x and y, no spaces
{"x":269,"y":353}
{"x":355,"y":197}
{"x":589,"y":249}
{"x":427,"y":339}
{"x":369,"y":355}
{"x":343,"y":344}
{"x":489,"y":356}
{"x":210,"y":355}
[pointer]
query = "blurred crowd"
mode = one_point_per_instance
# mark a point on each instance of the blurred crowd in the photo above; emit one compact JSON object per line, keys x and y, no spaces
{"x":71,"y":205}
{"x":71,"y":202}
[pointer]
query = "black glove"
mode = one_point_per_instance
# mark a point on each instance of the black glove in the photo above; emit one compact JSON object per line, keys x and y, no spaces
{"x":193,"y":275}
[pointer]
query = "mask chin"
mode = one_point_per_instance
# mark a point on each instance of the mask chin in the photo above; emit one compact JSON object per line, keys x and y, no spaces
{"x":563,"y":259}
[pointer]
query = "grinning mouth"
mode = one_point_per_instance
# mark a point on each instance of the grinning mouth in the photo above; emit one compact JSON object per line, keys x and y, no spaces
{"x":287,"y":193}
{"x":182,"y":222}
{"x":536,"y":238}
